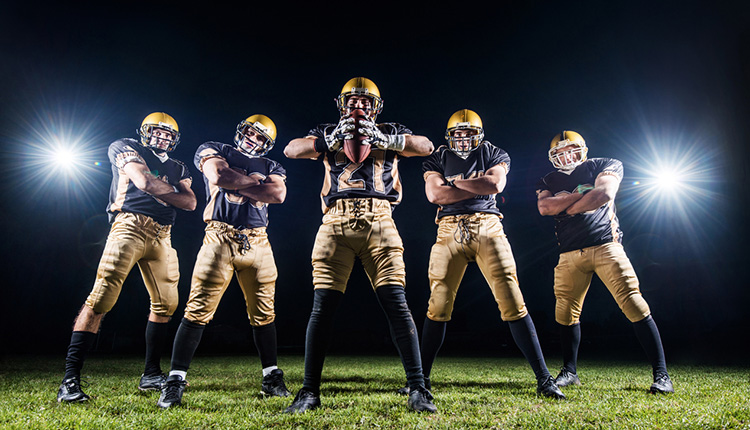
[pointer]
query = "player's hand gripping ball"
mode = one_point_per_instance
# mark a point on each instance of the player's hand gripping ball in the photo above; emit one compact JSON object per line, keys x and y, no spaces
{"x":356,"y":149}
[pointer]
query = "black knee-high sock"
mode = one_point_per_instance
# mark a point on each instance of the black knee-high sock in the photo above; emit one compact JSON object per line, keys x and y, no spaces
{"x":433,"y":335}
{"x":156,"y":336}
{"x":318,"y":336}
{"x":524,"y":333}
{"x":265,"y":342}
{"x":392,"y":299}
{"x":80,"y":344}
{"x":570,"y":338}
{"x":185,"y":343}
{"x":648,"y":335}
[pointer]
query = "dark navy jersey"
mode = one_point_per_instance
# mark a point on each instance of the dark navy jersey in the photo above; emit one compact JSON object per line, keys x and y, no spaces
{"x":589,"y":228}
{"x":451,"y":166}
{"x":225,"y":205}
{"x":124,"y":196}
{"x":376,"y":177}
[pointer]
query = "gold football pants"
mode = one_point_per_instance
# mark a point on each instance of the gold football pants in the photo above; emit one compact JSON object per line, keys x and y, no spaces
{"x":573,"y":277}
{"x":477,"y":237}
{"x":360,"y":228}
{"x":137,"y":239}
{"x":226,"y":251}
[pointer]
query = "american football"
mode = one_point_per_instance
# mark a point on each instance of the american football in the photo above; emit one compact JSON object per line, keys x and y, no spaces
{"x":355,"y":149}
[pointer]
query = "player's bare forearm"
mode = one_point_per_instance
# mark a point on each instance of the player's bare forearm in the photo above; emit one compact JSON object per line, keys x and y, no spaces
{"x":267,"y":192}
{"x":605,"y":189}
{"x":446,"y":195}
{"x":417,"y":146}
{"x":303,"y":147}
{"x":441,"y":193}
{"x":219,"y":173}
{"x":180,"y":196}
{"x":183,"y":198}
{"x":550,"y":205}
{"x":594,"y":199}
{"x":492,"y":182}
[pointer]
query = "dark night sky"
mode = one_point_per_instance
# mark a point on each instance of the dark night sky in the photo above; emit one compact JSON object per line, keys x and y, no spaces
{"x":629,"y":78}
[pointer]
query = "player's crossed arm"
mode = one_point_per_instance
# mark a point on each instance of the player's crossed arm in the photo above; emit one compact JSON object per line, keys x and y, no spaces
{"x":180,"y":195}
{"x":550,"y":205}
{"x":271,"y":190}
{"x":442,"y":192}
{"x":254,"y":186}
{"x":491,"y":182}
{"x":604,"y":191}
{"x":584,"y":198}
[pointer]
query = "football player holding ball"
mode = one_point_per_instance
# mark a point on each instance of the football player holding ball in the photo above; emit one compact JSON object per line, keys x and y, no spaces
{"x":358,"y":197}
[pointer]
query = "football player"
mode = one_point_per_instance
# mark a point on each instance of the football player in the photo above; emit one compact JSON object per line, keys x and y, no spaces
{"x":580,"y":195}
{"x":240,"y":184}
{"x":463,"y":178}
{"x":147,"y":186}
{"x":358,"y":199}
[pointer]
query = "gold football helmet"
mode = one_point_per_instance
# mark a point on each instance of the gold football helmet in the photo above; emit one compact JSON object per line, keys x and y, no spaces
{"x":162,"y":121}
{"x":262,"y":129}
{"x":464,"y":119}
{"x":360,"y":87}
{"x":573,"y":156}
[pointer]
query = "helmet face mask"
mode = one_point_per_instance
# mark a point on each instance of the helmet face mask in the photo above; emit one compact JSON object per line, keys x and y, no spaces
{"x":255,"y":135}
{"x":361,"y":102}
{"x":159,"y":132}
{"x":567,"y":151}
{"x":464,"y":132}
{"x":356,"y":93}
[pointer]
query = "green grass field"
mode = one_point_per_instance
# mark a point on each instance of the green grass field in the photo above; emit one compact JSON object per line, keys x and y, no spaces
{"x":360,"y":392}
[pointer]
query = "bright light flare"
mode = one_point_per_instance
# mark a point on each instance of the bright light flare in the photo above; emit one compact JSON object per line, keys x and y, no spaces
{"x":673,"y":180}
{"x":66,"y":157}
{"x":58,"y":161}
{"x":669,"y":180}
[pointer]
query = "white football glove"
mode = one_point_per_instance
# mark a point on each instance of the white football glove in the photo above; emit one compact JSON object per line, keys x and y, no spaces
{"x":395,"y":142}
{"x":343,"y":130}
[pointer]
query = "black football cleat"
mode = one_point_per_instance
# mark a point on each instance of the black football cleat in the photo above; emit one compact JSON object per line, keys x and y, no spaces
{"x":171,"y":392}
{"x":152,"y":382}
{"x":420,"y":400}
{"x":566,"y":378}
{"x":70,"y":391}
{"x":548,"y":388}
{"x":305,"y":401}
{"x":273,"y":384}
{"x":662,"y":384}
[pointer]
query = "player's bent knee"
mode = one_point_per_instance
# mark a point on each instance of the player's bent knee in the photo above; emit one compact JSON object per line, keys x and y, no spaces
{"x":202,"y":318}
{"x":636,"y":309}
{"x":101,"y":304}
{"x":261,"y":320}
{"x":439,"y":315}
{"x":566,"y":318}
{"x":513,"y":314}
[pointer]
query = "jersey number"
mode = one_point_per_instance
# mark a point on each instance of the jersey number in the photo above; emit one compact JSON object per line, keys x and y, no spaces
{"x":345,"y":178}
